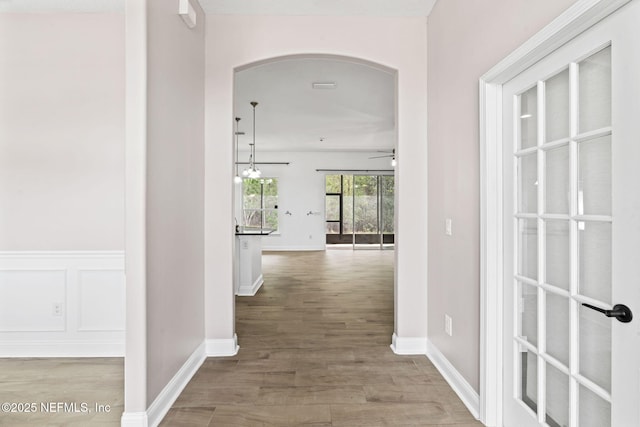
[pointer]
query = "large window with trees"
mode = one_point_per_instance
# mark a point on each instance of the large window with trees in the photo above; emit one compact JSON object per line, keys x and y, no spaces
{"x":359,"y":209}
{"x":260,"y":203}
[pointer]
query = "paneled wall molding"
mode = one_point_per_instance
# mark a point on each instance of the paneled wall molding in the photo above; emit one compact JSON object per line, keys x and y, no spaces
{"x":61,"y":254}
{"x":62,"y":303}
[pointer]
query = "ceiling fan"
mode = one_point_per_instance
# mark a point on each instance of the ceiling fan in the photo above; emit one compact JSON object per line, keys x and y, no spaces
{"x":391,"y":154}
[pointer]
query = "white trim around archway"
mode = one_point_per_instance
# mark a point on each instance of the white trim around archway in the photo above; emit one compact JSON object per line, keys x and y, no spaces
{"x":579,"y":17}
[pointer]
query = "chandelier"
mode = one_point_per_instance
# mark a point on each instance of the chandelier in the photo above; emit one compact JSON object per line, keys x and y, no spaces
{"x":252,"y":171}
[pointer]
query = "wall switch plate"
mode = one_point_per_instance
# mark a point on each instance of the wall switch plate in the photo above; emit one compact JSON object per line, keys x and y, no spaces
{"x":448,"y":325}
{"x":447,"y":227}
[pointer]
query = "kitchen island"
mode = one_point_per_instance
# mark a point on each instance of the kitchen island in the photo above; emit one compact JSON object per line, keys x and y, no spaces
{"x":248,"y":274}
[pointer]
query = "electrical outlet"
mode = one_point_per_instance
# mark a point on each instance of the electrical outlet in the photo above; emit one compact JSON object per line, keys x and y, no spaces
{"x":448,"y":325}
{"x":57,"y":309}
{"x":447,"y":227}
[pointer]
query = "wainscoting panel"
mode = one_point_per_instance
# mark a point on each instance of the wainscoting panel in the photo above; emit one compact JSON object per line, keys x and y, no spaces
{"x":101,"y":304}
{"x":62,"y":304}
{"x":32,"y":300}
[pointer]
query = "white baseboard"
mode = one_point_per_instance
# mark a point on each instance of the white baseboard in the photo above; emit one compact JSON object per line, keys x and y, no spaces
{"x":458,"y":383}
{"x":293,"y":248}
{"x":408,"y":345}
{"x":161,"y":404}
{"x":134,"y":419}
{"x":50,"y":348}
{"x":249,"y":291}
{"x":222,"y":347}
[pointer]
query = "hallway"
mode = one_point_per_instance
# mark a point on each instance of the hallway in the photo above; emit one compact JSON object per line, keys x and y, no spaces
{"x":314,"y":350}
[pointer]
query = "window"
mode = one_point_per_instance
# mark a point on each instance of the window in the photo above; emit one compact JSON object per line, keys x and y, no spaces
{"x":260,"y":203}
{"x":359,"y":209}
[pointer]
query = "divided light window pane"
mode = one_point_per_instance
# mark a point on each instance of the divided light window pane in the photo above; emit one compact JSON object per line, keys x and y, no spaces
{"x":557,"y":183}
{"x":557,"y":107}
{"x":594,"y":91}
{"x":594,"y":260}
{"x":529,"y":118}
{"x":529,"y":384}
{"x":557,"y":312}
{"x":594,"y":411}
{"x":557,"y":398}
{"x":594,"y":176}
{"x":528,"y":178}
{"x":528,"y":325}
{"x":557,"y":252}
{"x":528,"y":248}
{"x":595,"y":347}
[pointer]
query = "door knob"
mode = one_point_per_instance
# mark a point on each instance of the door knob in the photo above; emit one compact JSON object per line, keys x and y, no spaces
{"x":619,"y":311}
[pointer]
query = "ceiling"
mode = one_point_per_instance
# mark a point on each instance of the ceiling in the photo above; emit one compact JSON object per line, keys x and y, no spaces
{"x":357,"y":115}
{"x":242,"y":7}
{"x":81,"y":6}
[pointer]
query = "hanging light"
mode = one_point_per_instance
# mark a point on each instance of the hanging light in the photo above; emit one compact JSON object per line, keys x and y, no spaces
{"x":237,"y":179}
{"x":253,"y":171}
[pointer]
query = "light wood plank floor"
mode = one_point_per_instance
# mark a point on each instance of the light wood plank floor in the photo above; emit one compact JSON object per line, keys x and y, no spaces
{"x":78,"y":384}
{"x":314,"y":350}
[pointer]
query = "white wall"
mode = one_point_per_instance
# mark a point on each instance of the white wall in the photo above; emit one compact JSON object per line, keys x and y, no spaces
{"x":302,"y":189}
{"x":61,"y":184}
{"x":396,"y":43}
{"x":175,"y":192}
{"x":466,"y":38}
{"x":61,"y":132}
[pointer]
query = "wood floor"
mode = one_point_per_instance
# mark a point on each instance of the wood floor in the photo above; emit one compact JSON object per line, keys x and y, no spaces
{"x":65,"y":392}
{"x":314,"y":351}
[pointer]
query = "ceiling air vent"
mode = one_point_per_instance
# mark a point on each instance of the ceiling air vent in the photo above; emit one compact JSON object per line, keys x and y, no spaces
{"x":323,"y":85}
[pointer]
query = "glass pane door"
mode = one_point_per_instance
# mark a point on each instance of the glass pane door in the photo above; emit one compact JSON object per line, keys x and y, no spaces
{"x":359,"y":210}
{"x":387,"y":210}
{"x":366,"y":214}
{"x":572,"y":231}
{"x":562,"y":229}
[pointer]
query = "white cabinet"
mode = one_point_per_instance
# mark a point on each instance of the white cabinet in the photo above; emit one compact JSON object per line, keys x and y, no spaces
{"x":248,"y":275}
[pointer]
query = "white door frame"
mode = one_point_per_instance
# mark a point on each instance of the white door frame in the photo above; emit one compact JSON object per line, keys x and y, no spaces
{"x":579,"y":17}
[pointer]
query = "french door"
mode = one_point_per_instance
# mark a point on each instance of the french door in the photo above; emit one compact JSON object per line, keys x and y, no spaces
{"x":359,"y":210}
{"x":571,"y":132}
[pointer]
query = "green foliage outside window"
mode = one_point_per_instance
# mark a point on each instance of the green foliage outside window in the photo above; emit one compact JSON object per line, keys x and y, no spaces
{"x":359,"y":194}
{"x":260,"y":203}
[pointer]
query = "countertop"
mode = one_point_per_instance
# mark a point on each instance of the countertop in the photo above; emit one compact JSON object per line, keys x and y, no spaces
{"x":253,"y":232}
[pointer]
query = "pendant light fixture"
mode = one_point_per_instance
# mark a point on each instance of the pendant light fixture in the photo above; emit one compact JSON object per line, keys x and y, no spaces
{"x":253,"y":171}
{"x":237,"y":179}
